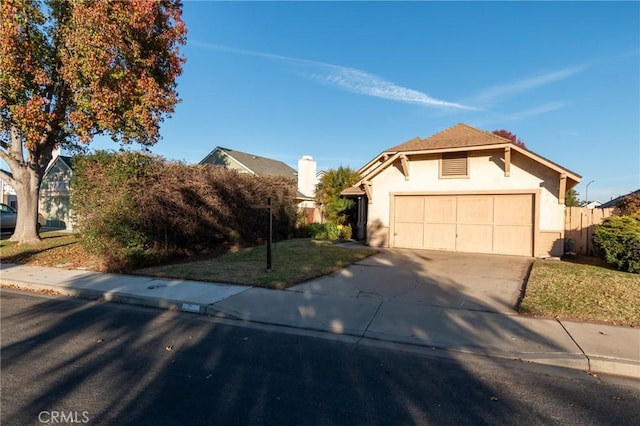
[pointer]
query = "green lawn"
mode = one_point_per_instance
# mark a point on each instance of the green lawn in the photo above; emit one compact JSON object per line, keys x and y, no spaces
{"x":584,"y":292}
{"x":293,"y":261}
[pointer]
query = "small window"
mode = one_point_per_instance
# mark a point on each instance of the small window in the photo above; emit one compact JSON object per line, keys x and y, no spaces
{"x":454,"y":164}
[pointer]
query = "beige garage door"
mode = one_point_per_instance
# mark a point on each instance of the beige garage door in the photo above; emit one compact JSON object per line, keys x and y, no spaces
{"x":501,"y":224}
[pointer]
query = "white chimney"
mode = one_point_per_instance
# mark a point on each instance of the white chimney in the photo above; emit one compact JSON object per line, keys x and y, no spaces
{"x":307,"y":175}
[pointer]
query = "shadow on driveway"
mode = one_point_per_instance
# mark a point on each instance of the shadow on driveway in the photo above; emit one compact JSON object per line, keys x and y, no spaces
{"x":489,"y":283}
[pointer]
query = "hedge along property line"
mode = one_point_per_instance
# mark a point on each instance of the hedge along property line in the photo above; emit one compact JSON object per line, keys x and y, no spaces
{"x":135,"y":209}
{"x":618,"y":238}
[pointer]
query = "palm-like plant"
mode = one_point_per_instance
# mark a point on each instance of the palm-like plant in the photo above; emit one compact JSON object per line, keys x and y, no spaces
{"x":328,"y":190}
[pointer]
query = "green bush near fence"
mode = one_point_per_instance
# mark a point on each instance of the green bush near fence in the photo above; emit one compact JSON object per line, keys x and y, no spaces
{"x":618,"y":239}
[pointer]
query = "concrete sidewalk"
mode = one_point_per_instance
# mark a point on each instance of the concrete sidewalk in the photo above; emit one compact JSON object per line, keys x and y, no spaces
{"x":594,"y":348}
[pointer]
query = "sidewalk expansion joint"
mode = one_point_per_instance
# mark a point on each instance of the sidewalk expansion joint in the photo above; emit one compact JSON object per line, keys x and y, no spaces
{"x":576,"y":343}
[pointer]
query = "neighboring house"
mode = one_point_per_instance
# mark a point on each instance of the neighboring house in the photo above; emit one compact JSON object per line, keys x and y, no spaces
{"x":614,"y":202}
{"x":8,"y":193}
{"x":463,"y":189}
{"x":261,"y":166}
{"x":592,"y":204}
{"x":55,"y":191}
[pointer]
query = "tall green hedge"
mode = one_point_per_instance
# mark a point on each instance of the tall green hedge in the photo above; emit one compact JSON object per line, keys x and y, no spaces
{"x":135,"y":209}
{"x":618,"y":239}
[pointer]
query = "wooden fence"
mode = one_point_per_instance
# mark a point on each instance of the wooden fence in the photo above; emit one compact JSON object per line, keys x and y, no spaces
{"x":579,"y":223}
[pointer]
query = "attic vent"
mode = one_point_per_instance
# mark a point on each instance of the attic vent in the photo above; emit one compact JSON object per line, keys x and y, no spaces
{"x":454,"y":164}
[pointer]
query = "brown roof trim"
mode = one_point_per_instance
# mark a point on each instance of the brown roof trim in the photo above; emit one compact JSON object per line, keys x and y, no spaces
{"x":354,"y":190}
{"x":472,"y":140}
{"x":570,"y":174}
{"x":374,"y":172}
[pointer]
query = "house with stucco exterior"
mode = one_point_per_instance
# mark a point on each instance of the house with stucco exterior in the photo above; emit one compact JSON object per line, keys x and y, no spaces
{"x":463,"y":189}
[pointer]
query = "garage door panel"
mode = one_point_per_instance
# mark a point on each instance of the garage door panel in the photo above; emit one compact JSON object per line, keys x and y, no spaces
{"x":440,"y":209}
{"x":409,"y":209}
{"x":514,"y":209}
{"x":483,"y":223}
{"x":513,"y":239}
{"x":474,"y":238}
{"x":409,"y":235}
{"x":475,"y":209}
{"x":440,"y":236}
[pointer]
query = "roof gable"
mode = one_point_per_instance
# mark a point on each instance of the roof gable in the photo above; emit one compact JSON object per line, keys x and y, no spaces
{"x":459,"y":136}
{"x":253,"y":164}
{"x":64,"y":161}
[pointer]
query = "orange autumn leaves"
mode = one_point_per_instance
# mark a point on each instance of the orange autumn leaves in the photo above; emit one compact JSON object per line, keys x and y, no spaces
{"x":87,"y":67}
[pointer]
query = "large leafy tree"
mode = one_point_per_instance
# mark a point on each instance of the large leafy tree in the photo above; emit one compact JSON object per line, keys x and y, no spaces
{"x":332,"y":183}
{"x":508,"y":135}
{"x":74,"y":69}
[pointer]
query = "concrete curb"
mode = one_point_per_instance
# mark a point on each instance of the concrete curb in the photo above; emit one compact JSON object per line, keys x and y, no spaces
{"x":592,"y":364}
{"x":129,"y":299}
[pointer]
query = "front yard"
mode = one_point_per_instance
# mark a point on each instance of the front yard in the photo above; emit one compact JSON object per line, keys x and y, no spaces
{"x":293,"y":261}
{"x":586,"y":291}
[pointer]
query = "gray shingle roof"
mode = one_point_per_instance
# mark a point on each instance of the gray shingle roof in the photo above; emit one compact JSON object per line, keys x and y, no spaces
{"x":617,"y":200}
{"x":260,"y":166}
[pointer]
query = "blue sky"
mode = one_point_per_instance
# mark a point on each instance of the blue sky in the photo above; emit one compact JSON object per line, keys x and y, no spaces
{"x":343,"y":81}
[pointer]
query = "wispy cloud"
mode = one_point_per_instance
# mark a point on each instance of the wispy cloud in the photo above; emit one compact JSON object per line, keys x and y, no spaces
{"x":542,"y":109}
{"x":496,"y":93}
{"x":351,"y":79}
{"x":364,"y":83}
{"x":497,"y":119}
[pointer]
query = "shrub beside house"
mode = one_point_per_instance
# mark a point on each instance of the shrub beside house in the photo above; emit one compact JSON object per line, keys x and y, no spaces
{"x":618,"y":237}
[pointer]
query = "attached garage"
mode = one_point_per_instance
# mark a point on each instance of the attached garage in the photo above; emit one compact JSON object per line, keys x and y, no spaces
{"x":479,"y":223}
{"x":463,"y":189}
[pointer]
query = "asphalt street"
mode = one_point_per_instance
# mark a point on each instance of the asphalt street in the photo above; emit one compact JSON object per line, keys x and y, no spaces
{"x":94,"y":363}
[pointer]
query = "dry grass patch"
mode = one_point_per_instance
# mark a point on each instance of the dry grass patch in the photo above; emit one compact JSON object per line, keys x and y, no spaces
{"x":584,"y":292}
{"x":55,"y":249}
{"x":293,"y":261}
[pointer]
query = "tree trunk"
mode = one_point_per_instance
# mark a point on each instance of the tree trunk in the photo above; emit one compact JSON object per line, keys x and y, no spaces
{"x":27,"y":191}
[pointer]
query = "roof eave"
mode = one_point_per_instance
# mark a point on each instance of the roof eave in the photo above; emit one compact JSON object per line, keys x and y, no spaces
{"x":558,"y":168}
{"x":573,"y":177}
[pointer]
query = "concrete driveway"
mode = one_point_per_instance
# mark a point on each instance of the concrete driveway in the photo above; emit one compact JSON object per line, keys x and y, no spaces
{"x":479,"y":282}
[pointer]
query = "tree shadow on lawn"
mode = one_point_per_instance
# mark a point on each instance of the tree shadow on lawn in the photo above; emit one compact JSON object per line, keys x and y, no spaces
{"x":26,"y":256}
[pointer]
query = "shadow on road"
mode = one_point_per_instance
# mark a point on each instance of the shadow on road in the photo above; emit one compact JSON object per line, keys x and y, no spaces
{"x":126,"y":365}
